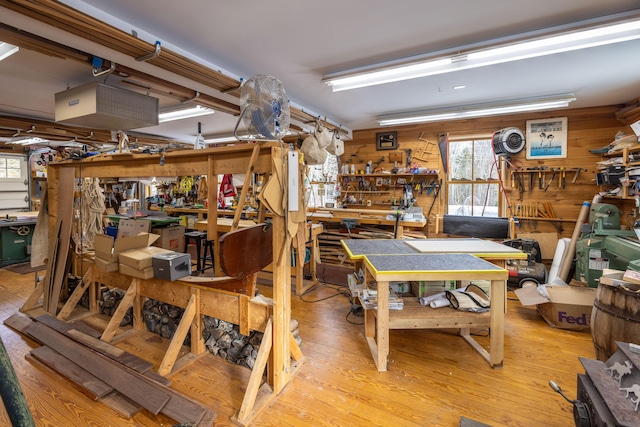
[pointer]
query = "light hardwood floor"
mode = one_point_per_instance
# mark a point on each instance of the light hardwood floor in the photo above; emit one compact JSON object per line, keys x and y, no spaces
{"x":434,"y":377}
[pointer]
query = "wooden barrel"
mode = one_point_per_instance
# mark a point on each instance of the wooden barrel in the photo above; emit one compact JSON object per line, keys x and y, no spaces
{"x":615,"y":317}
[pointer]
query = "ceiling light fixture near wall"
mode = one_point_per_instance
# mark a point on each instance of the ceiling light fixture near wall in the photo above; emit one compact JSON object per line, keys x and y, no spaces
{"x":580,"y":35}
{"x":6,"y":50}
{"x":477,"y":110}
{"x":29,"y":141}
{"x":188,"y":113}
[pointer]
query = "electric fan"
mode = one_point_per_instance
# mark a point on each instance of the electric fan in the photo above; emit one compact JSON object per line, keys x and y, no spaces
{"x":508,"y":141}
{"x":265,"y":109}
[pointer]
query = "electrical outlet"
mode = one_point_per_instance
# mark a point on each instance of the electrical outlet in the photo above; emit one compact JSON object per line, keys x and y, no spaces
{"x":633,"y":213}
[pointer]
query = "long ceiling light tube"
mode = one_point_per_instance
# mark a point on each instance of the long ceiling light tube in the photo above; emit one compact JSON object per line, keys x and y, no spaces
{"x":477,"y":110}
{"x":184,"y":114}
{"x":612,"y":29}
{"x":6,"y":50}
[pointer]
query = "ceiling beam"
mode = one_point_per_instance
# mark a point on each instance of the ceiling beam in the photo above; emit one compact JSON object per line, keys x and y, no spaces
{"x":82,"y":25}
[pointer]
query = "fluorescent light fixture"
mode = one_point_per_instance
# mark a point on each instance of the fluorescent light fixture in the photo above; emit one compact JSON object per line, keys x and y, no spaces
{"x":184,"y":114}
{"x":231,"y":138}
{"x":478,"y":110}
{"x":7,"y":50}
{"x":220,"y":140}
{"x":581,"y":35}
{"x":29,"y":141}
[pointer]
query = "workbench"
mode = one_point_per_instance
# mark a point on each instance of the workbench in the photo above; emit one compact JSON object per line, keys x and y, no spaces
{"x":248,"y":158}
{"x":197,"y":300}
{"x":387,"y":260}
{"x":364,"y":217}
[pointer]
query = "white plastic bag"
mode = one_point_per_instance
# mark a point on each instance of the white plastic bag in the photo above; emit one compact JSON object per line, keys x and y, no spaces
{"x":336,"y":147}
{"x":323,"y":135}
{"x":313,"y":153}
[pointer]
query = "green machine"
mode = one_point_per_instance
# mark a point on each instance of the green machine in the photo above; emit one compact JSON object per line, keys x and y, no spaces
{"x":15,"y":241}
{"x":605,"y":245}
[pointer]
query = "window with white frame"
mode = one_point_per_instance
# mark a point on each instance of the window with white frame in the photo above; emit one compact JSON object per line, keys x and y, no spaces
{"x":473,"y":187}
{"x":10,"y":167}
{"x":320,"y":184}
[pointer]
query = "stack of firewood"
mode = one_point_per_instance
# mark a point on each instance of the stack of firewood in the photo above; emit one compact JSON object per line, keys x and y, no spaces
{"x":163,"y":319}
{"x":109,"y":301}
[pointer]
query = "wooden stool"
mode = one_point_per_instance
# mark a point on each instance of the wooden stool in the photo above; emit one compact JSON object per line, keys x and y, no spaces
{"x":198,"y":237}
{"x":207,"y":260}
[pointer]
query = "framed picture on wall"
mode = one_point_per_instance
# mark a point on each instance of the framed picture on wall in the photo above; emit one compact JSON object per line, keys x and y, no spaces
{"x":387,"y":140}
{"x":547,"y":138}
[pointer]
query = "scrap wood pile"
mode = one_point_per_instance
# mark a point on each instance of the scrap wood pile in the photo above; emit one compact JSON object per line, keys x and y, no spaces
{"x":120,"y":380}
{"x":331,"y":250}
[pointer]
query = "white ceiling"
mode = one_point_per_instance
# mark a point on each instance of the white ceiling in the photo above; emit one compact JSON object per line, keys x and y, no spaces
{"x":299,"y":42}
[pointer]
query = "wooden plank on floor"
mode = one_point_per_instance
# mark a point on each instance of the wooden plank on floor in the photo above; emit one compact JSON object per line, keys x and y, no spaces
{"x":84,"y":327}
{"x":208,"y":420}
{"x":18,"y":322}
{"x":127,"y":382}
{"x":121,"y":404}
{"x":86,"y":382}
{"x":109,"y":350}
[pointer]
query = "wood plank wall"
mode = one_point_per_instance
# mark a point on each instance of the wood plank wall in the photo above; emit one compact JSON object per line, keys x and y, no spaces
{"x":588,"y":128}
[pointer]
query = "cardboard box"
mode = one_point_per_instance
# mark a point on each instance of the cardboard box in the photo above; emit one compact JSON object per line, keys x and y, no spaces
{"x":425,"y":288}
{"x":106,"y":265}
{"x":171,"y":266}
{"x":133,"y":227}
{"x":569,"y":308}
{"x":140,"y":258}
{"x":171,"y":238}
{"x":146,"y":273}
{"x":108,"y":249}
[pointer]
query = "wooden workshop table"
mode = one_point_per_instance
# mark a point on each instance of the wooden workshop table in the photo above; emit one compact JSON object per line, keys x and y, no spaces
{"x":398,"y":260}
{"x":314,"y":230}
{"x":363,"y":216}
{"x":489,"y":250}
{"x":250,"y":158}
{"x":197,"y":300}
{"x":155,"y":220}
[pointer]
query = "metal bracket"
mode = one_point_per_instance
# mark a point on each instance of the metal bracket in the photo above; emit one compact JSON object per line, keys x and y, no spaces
{"x":110,"y":70}
{"x":151,"y":55}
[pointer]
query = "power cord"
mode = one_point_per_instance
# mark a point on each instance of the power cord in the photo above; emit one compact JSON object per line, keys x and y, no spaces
{"x":340,"y":290}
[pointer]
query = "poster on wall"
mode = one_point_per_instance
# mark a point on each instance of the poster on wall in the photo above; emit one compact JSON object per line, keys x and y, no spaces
{"x":547,"y":138}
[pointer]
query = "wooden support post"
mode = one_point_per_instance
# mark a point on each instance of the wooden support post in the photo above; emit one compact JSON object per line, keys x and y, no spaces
{"x":73,"y":300}
{"x":31,"y":302}
{"x":251,"y":405}
{"x":197,"y":326}
{"x":118,"y":315}
{"x":212,"y":215}
{"x":245,"y":187}
{"x":262,"y":211}
{"x":296,"y":353}
{"x":178,"y":338}
{"x":281,"y":296}
{"x":243,"y":310}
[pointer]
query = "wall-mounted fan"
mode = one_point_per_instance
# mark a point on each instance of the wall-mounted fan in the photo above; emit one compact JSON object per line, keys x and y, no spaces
{"x":508,"y":141}
{"x":265,"y":109}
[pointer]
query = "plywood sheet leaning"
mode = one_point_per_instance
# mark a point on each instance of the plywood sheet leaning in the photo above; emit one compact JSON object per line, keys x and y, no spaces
{"x":66,"y":177}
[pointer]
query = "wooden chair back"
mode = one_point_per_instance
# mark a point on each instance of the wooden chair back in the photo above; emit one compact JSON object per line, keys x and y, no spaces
{"x":246,"y":251}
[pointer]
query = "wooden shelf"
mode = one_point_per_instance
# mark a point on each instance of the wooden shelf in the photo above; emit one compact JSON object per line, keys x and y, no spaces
{"x":389,"y":175}
{"x":539,"y":218}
